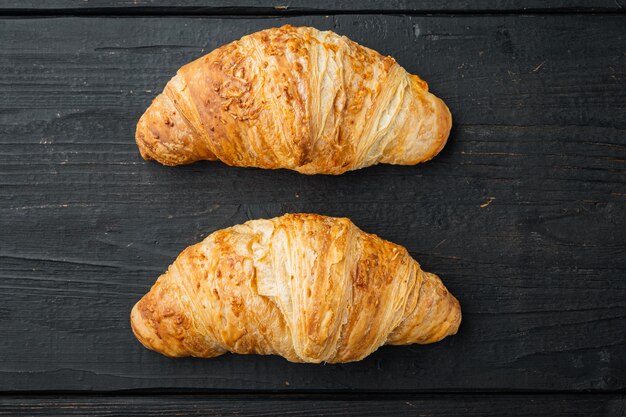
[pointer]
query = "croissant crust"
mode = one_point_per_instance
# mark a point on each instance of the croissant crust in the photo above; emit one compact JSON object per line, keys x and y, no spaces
{"x":307,"y":287}
{"x":295,"y":98}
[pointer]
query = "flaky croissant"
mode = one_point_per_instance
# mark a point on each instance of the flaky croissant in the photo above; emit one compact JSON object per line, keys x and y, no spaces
{"x":307,"y":287}
{"x":295,"y":98}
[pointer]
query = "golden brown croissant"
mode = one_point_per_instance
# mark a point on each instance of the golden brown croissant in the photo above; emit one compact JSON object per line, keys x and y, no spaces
{"x":295,"y":98}
{"x":307,"y":287}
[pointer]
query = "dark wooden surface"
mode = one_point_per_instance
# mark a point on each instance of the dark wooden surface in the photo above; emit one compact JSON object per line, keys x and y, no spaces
{"x":523,"y":214}
{"x":244,"y":7}
{"x":298,"y":405}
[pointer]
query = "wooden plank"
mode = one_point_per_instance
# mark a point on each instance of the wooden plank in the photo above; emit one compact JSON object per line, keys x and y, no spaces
{"x":522,"y":214}
{"x":296,"y":405}
{"x":310,"y":7}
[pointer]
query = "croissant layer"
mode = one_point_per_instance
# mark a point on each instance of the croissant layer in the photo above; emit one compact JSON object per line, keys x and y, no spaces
{"x":295,"y":98}
{"x":307,"y":287}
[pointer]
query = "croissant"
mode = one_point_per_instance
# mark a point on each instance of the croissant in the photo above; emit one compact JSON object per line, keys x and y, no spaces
{"x":307,"y":287}
{"x":296,"y":98}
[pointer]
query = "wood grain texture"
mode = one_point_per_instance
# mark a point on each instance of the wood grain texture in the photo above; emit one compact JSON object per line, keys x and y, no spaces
{"x":298,"y":405}
{"x":522,"y":215}
{"x":240,"y":7}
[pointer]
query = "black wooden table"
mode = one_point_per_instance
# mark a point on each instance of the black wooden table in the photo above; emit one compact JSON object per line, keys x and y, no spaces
{"x":523,"y":214}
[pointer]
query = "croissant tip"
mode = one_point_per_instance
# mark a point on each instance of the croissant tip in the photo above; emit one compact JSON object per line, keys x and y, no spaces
{"x":141,"y":140}
{"x":458,"y":317}
{"x":143,"y":331}
{"x":137,"y":325}
{"x":144,"y":155}
{"x":444,"y":124}
{"x":134,"y":313}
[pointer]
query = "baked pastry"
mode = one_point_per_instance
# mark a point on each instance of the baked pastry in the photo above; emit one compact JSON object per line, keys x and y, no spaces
{"x":307,"y":287}
{"x":294,"y":98}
